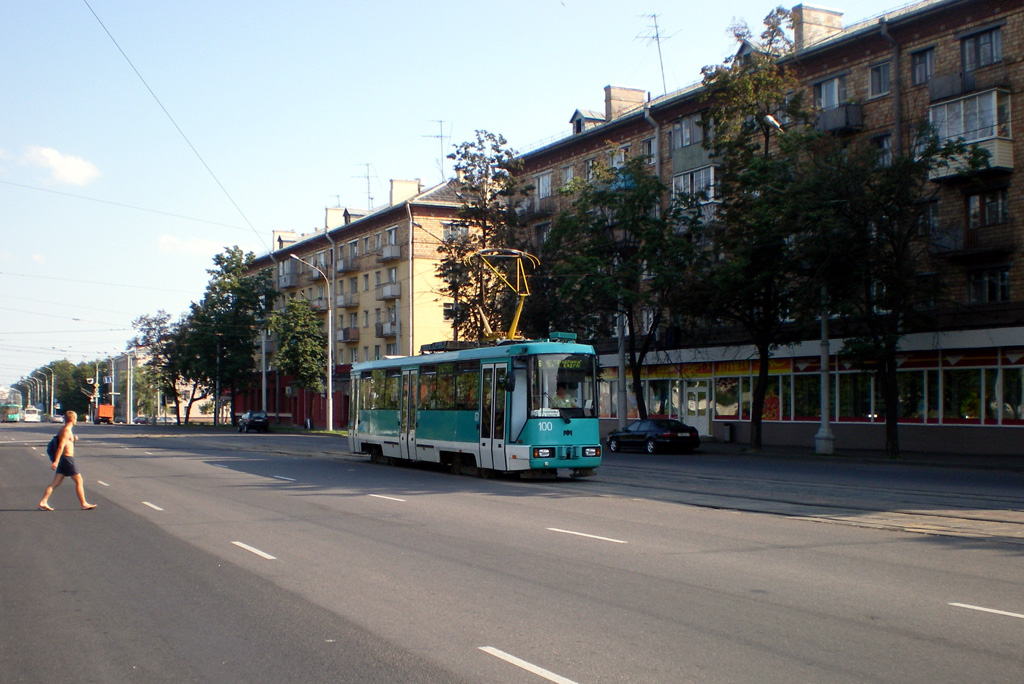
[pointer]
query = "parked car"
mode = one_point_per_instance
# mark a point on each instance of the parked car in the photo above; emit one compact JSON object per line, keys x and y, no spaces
{"x":57,"y":418}
{"x":653,"y":435}
{"x":141,"y":420}
{"x":253,"y":421}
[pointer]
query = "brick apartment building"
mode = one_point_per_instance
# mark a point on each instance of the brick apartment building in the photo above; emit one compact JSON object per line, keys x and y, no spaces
{"x":956,"y":62}
{"x":382,"y":295}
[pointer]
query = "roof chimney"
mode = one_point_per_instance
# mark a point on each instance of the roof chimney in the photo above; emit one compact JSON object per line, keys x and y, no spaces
{"x":814,"y":24}
{"x":402,"y":190}
{"x":619,"y":100}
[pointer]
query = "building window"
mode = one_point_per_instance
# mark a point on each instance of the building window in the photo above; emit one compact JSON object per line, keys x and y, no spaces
{"x":392,"y":275}
{"x":366,"y":318}
{"x":568,"y":173}
{"x":884,"y":145}
{"x":831,"y":93}
{"x":694,"y":182}
{"x":687,"y":131}
{"x":391,"y":236}
{"x":391,"y":349}
{"x":928,"y":219}
{"x":647,"y":149}
{"x":454,"y":231}
{"x":922,"y":66}
{"x":449,"y":310}
{"x":353,"y":284}
{"x":982,"y":49}
{"x":978,"y":117}
{"x":589,"y":167}
{"x":987,"y":208}
{"x":353,"y":320}
{"x":378,"y":242}
{"x":366,"y":244}
{"x":353,"y":249}
{"x":541,"y":232}
{"x":366,"y":282}
{"x":990,"y":285}
{"x":880,"y":80}
{"x":376,"y":278}
{"x":620,"y":156}
{"x":543,"y":183}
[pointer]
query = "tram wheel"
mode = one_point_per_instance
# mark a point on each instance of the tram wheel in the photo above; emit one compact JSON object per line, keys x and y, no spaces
{"x":456,"y":467}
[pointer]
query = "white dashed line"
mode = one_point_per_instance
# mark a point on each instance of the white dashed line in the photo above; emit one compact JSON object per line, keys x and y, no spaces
{"x":389,"y":498}
{"x":987,"y":610}
{"x":250,"y":549}
{"x":153,"y":506}
{"x":589,"y":536}
{"x":286,"y":479}
{"x":102,"y":483}
{"x":529,"y":667}
{"x":218,"y":465}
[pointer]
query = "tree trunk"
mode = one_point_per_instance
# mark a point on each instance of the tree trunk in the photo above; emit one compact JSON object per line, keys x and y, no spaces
{"x":891,"y":396}
{"x":757,"y":401}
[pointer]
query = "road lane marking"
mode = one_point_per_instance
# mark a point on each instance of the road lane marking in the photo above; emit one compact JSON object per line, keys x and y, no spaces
{"x":153,"y":506}
{"x":102,"y":483}
{"x":987,"y":610}
{"x":389,"y":498}
{"x":217,"y":465}
{"x":589,"y":536}
{"x":529,"y":667}
{"x":282,"y":477}
{"x":250,"y":549}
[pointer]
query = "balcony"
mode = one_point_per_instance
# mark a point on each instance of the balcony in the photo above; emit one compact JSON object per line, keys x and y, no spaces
{"x":319,"y":304}
{"x":954,"y":84}
{"x":980,"y":120}
{"x":390,"y":253}
{"x":343,"y":266}
{"x":960,"y":243}
{"x":389,"y":291}
{"x":347,"y":300}
{"x":389,"y":329}
{"x":348,"y":335}
{"x":847,"y":118}
{"x":287,"y":280}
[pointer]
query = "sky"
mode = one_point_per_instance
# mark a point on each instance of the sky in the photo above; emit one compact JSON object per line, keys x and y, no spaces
{"x":140,"y":138}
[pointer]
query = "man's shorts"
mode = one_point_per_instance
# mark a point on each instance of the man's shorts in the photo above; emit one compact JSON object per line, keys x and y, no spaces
{"x":67,"y":466}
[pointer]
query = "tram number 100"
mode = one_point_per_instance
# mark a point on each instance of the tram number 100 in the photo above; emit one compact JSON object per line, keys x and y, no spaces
{"x":546,"y":426}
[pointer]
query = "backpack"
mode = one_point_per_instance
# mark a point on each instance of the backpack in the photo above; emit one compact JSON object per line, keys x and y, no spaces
{"x":51,"y":448}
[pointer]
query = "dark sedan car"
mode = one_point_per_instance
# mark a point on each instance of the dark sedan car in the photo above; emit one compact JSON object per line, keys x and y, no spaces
{"x":653,"y":435}
{"x":253,"y":421}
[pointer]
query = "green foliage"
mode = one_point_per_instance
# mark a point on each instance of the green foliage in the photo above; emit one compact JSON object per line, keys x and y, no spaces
{"x":618,"y":254}
{"x":302,"y":343}
{"x":487,"y":189}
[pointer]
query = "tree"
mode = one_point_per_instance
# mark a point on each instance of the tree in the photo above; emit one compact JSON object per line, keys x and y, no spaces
{"x":617,"y":254}
{"x":750,"y":272}
{"x":227,"y":321}
{"x":302,"y":349}
{"x":487,"y":189}
{"x":866,"y":209}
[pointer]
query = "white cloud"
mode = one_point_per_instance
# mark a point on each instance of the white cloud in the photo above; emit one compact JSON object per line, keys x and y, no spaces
{"x":64,"y":167}
{"x":170,"y":244}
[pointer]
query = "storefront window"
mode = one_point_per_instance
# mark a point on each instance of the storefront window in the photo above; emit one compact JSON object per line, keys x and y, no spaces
{"x":727,"y":396}
{"x":855,"y":396}
{"x":992,"y":396}
{"x":1013,"y":396}
{"x":660,"y":393}
{"x":911,"y":392}
{"x":807,"y":397}
{"x":961,"y":395}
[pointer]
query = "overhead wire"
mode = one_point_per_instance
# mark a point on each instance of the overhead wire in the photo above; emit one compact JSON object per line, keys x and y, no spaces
{"x":178,"y":128}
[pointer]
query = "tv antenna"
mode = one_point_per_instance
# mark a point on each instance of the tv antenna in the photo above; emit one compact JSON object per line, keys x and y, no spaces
{"x":369,"y":195}
{"x":656,"y":39}
{"x":442,"y":137}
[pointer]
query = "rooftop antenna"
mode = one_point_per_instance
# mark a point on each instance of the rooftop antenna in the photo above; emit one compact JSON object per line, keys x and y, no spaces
{"x":369,"y":196}
{"x":442,"y":137}
{"x":656,"y":39}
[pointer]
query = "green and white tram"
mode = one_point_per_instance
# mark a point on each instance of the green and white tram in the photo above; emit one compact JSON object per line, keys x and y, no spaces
{"x":519,"y":407}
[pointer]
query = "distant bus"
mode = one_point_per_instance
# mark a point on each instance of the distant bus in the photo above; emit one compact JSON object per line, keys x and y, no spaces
{"x":30,"y":414}
{"x":11,"y":413}
{"x":519,"y":407}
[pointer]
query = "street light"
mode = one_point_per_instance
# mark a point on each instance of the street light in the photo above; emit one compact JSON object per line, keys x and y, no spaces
{"x":330,"y":344}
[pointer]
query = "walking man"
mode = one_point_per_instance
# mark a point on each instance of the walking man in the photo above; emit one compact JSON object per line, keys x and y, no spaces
{"x":64,"y":464}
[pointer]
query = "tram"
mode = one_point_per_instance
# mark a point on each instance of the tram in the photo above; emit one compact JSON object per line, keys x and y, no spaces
{"x":526,"y":407}
{"x":11,"y":413}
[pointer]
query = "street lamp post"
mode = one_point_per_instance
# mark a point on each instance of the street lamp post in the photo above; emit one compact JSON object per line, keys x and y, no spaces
{"x":330,"y":344}
{"x":53,"y":386}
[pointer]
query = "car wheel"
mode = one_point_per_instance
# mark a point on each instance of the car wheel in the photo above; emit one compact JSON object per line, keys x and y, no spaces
{"x":613,"y":445}
{"x":651,"y":447}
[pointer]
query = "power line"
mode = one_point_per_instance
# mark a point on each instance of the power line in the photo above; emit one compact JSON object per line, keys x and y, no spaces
{"x":95,"y":282}
{"x":178,"y":128}
{"x":124,"y":206}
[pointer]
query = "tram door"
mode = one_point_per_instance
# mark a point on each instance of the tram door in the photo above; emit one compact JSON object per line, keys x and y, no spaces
{"x":492,"y":416}
{"x":407,"y":414}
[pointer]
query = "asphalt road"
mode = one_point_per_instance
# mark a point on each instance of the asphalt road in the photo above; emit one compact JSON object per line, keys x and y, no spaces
{"x":259,"y":558}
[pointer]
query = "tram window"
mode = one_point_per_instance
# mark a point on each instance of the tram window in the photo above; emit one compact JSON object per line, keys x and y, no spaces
{"x":467,"y":386}
{"x":445,"y":387}
{"x":393,"y":389}
{"x":366,"y":392}
{"x":563,"y":384}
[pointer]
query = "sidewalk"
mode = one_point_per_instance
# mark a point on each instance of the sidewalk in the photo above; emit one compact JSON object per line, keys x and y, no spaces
{"x":978,"y":461}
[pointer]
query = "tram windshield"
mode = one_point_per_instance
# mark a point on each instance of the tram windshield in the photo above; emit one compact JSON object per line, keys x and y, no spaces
{"x":563,"y":385}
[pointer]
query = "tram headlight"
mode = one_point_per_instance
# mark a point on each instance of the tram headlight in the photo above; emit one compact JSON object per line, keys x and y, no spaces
{"x":592,"y":451}
{"x":543,"y":452}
